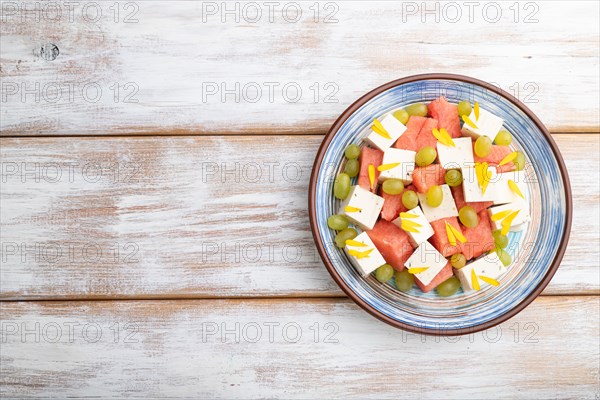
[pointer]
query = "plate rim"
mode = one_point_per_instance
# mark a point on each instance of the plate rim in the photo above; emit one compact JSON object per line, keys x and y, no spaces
{"x":372,"y":310}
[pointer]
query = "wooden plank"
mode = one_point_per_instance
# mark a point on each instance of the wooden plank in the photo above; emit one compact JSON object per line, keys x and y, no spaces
{"x":198,"y":217}
{"x":316,"y":348}
{"x":189,"y":68}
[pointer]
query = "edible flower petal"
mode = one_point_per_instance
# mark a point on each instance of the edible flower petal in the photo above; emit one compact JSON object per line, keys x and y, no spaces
{"x":385,"y":167}
{"x":379,"y":129}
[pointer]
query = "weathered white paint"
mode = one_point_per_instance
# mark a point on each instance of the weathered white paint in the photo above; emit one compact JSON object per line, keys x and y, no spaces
{"x":202,"y":220}
{"x":170,"y":57}
{"x":190,"y":348}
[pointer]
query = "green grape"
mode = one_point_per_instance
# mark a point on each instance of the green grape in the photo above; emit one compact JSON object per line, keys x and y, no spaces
{"x":341,"y":186}
{"x":410,"y":199}
{"x":384,"y":273}
{"x":435,"y":196}
{"x":483,"y":146}
{"x":352,"y":167}
{"x":448,"y":287}
{"x":504,"y":256}
{"x":401,"y":115}
{"x":503,"y":138}
{"x":417,"y":109}
{"x":338,"y":222}
{"x":500,"y":240}
{"x":453,"y":177}
{"x":464,"y":108}
{"x":425,"y":156}
{"x":342,"y":236}
{"x":519,"y":161}
{"x":404,"y":281}
{"x":393,"y":186}
{"x":352,"y":152}
{"x":468,"y":217}
{"x":458,"y":260}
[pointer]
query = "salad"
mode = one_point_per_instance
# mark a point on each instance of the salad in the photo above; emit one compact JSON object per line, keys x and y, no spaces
{"x":429,"y":197}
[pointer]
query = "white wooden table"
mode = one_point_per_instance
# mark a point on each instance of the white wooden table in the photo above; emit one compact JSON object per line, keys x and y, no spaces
{"x":155,"y":161}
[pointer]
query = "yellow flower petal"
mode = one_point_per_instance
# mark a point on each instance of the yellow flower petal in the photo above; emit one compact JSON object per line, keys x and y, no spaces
{"x":506,"y":222}
{"x":408,"y":215}
{"x":469,"y":122}
{"x":476,"y":111}
{"x":515,"y":188}
{"x":491,"y":281}
{"x":484,"y":175}
{"x":379,"y":129}
{"x":450,"y":234}
{"x":385,"y":167}
{"x":410,"y":226}
{"x":457,"y":234}
{"x":355,"y":243}
{"x":352,"y":209}
{"x":417,"y":270}
{"x":360,"y":254}
{"x":508,"y":158}
{"x":372,"y":176}
{"x":500,"y":215}
{"x":443,"y":137}
{"x":474,"y":280}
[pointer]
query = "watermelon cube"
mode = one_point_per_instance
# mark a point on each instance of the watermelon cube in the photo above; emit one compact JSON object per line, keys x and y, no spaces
{"x":439,"y":240}
{"x":392,"y":242}
{"x":496,"y":155}
{"x":408,"y":140}
{"x":369,"y":156}
{"x":442,"y":276}
{"x":446,"y":114}
{"x":459,"y":199}
{"x":479,"y":238}
{"x":392,"y":204}
{"x":426,"y":177}
{"x":425,"y":137}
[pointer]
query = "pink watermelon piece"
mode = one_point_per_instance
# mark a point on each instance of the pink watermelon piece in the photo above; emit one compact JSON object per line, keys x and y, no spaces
{"x":392,"y":242}
{"x":426,"y":177}
{"x":392,"y":204}
{"x":408,"y":140}
{"x":496,"y":156}
{"x":459,"y":199}
{"x":425,"y":137}
{"x":442,"y":276}
{"x":479,"y":238}
{"x":439,"y":240}
{"x":368,"y":156}
{"x":446,"y":114}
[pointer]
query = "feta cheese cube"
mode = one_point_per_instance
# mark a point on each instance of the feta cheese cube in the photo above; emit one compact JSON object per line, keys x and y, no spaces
{"x":489,"y":266}
{"x":487,"y":125}
{"x":403,"y":171}
{"x":444,"y":210}
{"x":471,"y":188}
{"x":368,"y":263}
{"x":362,"y":207}
{"x":456,"y":157}
{"x":426,"y":256}
{"x":425,"y":231}
{"x":393,"y":127}
{"x":504,"y":193}
{"x":518,"y":224}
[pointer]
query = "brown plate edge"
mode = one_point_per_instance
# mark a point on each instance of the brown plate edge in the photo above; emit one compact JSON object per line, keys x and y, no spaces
{"x":376,"y":313}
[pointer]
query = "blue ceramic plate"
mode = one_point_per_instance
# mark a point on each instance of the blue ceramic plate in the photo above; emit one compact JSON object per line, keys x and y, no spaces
{"x":536,"y":251}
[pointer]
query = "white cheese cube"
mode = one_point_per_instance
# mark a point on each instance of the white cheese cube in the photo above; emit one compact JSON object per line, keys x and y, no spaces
{"x":403,"y":171}
{"x":517,"y":224}
{"x":363,"y":207}
{"x":471,"y":188}
{"x":364,"y":264}
{"x":489,"y":266}
{"x":444,"y":210}
{"x":425,"y":230}
{"x":393,"y":127}
{"x":487,"y":125}
{"x":426,"y":256}
{"x":504,"y":193}
{"x":456,"y":157}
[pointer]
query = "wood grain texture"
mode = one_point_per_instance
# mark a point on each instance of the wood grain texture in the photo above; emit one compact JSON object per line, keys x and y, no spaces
{"x":135,"y":217}
{"x":224,"y":349}
{"x":168,"y":59}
